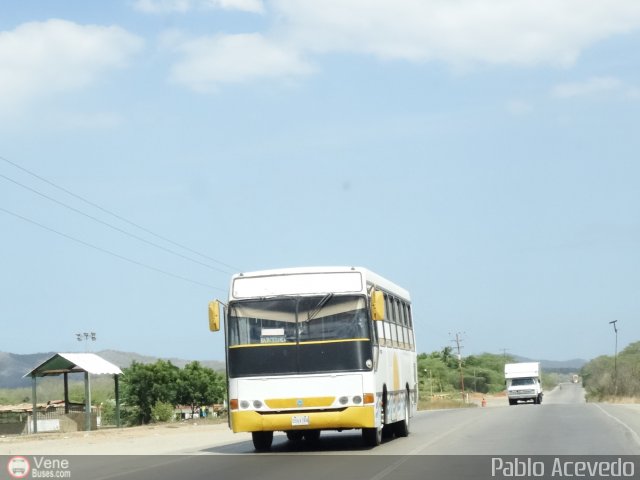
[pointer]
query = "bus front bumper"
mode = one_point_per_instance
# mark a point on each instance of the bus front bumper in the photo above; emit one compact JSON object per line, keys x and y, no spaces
{"x":350,"y":417}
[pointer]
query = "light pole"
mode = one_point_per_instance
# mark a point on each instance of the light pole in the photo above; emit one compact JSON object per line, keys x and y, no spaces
{"x":86,"y":336}
{"x":615,"y":359}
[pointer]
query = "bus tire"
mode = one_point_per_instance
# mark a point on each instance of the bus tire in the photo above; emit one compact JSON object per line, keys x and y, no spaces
{"x":262,"y":441}
{"x":401,"y":428}
{"x":372,"y":437}
{"x":312,"y":436}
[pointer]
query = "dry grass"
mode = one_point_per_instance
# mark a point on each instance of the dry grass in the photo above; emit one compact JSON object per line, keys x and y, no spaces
{"x":612,"y":399}
{"x":443,"y":402}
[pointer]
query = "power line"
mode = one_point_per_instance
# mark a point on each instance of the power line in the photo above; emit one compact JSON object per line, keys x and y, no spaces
{"x":457,"y":342}
{"x":95,"y":219}
{"x":109,"y":252}
{"x":115,"y":215}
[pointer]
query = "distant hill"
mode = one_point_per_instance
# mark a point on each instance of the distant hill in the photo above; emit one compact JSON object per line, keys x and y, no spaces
{"x":14,"y":366}
{"x":560,"y":366}
{"x":125,"y":359}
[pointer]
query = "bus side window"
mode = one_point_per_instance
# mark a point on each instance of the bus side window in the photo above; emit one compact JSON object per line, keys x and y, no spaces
{"x":410,"y":323}
{"x":402,"y":325}
{"x":380,"y":330}
{"x":387,"y":322}
{"x":390,"y":327}
{"x":398,"y":326}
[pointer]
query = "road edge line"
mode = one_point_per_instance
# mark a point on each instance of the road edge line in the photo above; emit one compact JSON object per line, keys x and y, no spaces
{"x":634,"y":435}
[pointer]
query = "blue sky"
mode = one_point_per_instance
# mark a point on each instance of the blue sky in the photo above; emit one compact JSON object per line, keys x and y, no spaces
{"x":480,"y":153}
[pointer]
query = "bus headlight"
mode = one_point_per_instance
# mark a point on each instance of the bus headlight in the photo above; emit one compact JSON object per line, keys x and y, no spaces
{"x":257,"y":404}
{"x":357,"y":399}
{"x":244,"y":404}
{"x":343,"y":400}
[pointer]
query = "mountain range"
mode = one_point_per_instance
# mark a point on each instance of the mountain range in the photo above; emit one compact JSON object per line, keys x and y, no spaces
{"x":14,"y":366}
{"x":560,"y":366}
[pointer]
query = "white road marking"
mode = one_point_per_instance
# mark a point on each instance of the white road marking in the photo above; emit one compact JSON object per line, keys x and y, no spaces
{"x":634,"y":435}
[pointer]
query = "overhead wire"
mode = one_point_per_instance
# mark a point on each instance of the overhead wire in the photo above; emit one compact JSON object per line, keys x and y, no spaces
{"x":80,"y":212}
{"x":115,"y":215}
{"x":109,"y":252}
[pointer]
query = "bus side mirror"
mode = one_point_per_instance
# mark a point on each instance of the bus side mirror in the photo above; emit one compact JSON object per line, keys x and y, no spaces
{"x":214,"y":316}
{"x":377,"y":305}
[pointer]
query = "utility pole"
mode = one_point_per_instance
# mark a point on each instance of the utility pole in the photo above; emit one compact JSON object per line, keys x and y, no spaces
{"x":458,"y":346}
{"x":615,"y":359}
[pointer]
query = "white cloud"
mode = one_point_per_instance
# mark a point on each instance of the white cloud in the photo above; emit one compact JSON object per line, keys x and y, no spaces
{"x":592,"y":86}
{"x":210,"y":61}
{"x":42,"y":58}
{"x":162,"y":6}
{"x":461,"y":33}
{"x":523,"y":32}
{"x":183,"y":6}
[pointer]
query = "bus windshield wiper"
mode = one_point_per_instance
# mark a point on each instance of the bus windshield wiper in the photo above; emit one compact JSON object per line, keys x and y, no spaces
{"x":323,"y":301}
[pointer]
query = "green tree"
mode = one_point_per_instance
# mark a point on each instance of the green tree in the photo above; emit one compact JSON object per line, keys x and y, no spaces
{"x":439,"y":372}
{"x":606,"y":376}
{"x":198,"y":385}
{"x":144,"y":385}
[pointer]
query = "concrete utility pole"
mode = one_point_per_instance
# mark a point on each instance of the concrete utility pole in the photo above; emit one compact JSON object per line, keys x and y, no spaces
{"x":615,"y":359}
{"x":458,"y":346}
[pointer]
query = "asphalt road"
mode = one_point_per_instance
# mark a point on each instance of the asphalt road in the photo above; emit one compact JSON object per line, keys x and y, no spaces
{"x":564,"y":424}
{"x":456,"y":443}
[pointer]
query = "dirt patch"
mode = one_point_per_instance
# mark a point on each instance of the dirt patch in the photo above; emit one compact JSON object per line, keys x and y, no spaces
{"x":158,"y":439}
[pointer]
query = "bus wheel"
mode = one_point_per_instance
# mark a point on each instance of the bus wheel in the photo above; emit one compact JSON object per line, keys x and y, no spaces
{"x":312,"y":436}
{"x":295,"y":435}
{"x":401,"y":428}
{"x":262,"y":440}
{"x":372,"y":437}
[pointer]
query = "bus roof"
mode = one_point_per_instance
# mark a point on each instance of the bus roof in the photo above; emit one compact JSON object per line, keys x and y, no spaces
{"x":369,"y":276}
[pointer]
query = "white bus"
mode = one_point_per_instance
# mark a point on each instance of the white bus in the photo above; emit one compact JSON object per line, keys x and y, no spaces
{"x":320,"y":348}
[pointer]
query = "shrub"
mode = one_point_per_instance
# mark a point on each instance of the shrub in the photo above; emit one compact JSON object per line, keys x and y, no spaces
{"x":162,"y":412}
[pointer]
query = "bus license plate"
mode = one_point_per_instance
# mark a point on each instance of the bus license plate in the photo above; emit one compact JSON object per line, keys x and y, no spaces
{"x":299,"y":420}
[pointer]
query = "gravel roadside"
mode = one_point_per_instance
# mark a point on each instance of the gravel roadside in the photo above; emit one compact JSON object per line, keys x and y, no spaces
{"x":164,"y":439}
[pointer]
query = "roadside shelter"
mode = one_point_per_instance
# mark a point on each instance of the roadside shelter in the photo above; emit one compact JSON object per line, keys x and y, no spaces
{"x":65,"y":363}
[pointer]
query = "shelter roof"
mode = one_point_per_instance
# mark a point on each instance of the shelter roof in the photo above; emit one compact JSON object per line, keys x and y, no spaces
{"x":74,"y":362}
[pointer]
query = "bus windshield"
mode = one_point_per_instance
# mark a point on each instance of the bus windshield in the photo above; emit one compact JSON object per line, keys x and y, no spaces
{"x":297,"y":320}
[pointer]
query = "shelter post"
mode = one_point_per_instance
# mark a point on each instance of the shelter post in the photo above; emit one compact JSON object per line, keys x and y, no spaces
{"x":34,"y":412}
{"x":117,"y":392}
{"x":66,"y":393}
{"x":87,"y":402}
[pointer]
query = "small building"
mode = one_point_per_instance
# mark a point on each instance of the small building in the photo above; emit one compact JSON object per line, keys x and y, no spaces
{"x":63,"y":364}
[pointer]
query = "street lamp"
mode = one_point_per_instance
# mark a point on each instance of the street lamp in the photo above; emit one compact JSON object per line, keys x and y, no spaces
{"x":615,"y":359}
{"x":86,"y":336}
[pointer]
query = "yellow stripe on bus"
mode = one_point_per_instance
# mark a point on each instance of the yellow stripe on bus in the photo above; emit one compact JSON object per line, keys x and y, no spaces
{"x":262,"y":345}
{"x":304,"y":402}
{"x":314,"y":342}
{"x":350,"y":417}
